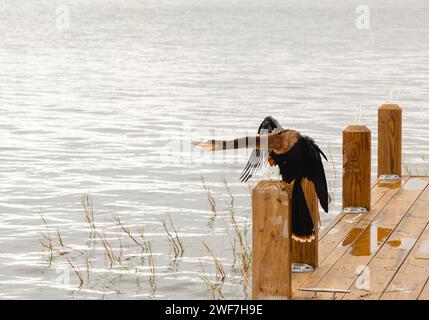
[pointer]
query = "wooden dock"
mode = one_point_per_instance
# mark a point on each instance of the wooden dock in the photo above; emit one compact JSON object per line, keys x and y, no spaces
{"x":376,"y":248}
{"x":382,"y":254}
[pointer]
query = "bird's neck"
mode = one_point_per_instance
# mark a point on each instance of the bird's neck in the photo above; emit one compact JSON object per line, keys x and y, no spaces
{"x":280,"y":141}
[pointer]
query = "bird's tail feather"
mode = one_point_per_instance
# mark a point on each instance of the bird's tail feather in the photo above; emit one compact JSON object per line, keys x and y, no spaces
{"x":302,"y":223}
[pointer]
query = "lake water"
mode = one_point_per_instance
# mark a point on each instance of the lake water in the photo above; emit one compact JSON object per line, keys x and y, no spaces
{"x":103,"y":98}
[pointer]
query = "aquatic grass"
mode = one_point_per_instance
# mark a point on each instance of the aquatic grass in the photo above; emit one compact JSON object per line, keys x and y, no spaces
{"x":241,"y":251}
{"x":127,"y":231}
{"x":139,"y":241}
{"x":245,"y":251}
{"x":241,"y":239}
{"x":87,"y":204}
{"x":107,"y":248}
{"x":128,"y":240}
{"x":76,"y":271}
{"x":216,"y":285}
{"x":233,"y":243}
{"x":64,"y":253}
{"x":210,"y":197}
{"x":220,"y":271}
{"x":407,"y":168}
{"x":113,"y":256}
{"x":173,"y":237}
{"x":212,"y":285}
{"x":228,"y":190}
{"x":64,"y":250}
{"x":240,"y":234}
{"x":88,"y":207}
{"x":152,"y":267}
{"x":47,"y":240}
{"x":88,"y":269}
{"x":416,"y":170}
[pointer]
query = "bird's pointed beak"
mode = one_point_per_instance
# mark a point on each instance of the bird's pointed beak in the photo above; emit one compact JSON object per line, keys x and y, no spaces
{"x":271,"y":161}
{"x":205,"y":145}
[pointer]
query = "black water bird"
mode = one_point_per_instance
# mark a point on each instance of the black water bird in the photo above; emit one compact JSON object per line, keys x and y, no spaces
{"x":297,"y":156}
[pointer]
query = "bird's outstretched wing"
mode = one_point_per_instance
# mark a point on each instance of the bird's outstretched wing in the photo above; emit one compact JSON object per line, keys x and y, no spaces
{"x":316,"y":173}
{"x":258,"y":158}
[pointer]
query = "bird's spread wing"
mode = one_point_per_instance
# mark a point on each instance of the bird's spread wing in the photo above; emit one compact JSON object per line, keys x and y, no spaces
{"x":259,"y":158}
{"x":316,"y":173}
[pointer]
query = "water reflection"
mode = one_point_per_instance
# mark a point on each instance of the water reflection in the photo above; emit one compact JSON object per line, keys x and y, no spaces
{"x":366,"y":241}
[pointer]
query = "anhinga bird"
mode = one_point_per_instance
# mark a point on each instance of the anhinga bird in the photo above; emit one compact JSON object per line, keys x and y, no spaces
{"x":297,"y":156}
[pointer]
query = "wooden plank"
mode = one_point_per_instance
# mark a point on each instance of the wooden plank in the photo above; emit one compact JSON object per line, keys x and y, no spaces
{"x":271,"y":258}
{"x":424,"y":295}
{"x":357,"y":167}
{"x":389,"y":139}
{"x":377,"y":194}
{"x":413,"y":274}
{"x":342,"y":229}
{"x":308,"y":252}
{"x":336,"y":243}
{"x":368,"y":236}
{"x":366,"y":246}
{"x":378,"y":191}
{"x":385,"y":264}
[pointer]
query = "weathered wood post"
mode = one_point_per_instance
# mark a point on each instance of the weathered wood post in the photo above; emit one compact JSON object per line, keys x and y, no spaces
{"x":389,"y":142}
{"x":356,"y":169}
{"x":308,"y":252}
{"x":271,"y":255}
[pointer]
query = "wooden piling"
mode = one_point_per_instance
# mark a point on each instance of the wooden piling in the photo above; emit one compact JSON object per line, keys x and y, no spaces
{"x":308,"y":252}
{"x":357,"y":167}
{"x":271,"y":254}
{"x":389,"y":140}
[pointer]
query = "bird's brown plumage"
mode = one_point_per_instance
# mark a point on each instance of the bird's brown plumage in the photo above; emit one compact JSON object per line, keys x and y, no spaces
{"x":280,"y":141}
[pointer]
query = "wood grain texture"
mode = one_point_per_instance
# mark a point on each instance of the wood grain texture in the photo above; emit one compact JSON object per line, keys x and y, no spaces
{"x":333,"y":234}
{"x":339,"y":240}
{"x":424,"y":294}
{"x":384,"y":256}
{"x":377,"y":192}
{"x":393,"y":253}
{"x":410,"y":279}
{"x":368,"y":240}
{"x":389,"y":139}
{"x":271,"y":257}
{"x":308,"y":252}
{"x":413,"y":274}
{"x":357,"y":167}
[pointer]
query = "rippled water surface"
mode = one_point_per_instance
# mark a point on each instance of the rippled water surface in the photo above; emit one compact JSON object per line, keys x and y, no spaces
{"x":108,"y":106}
